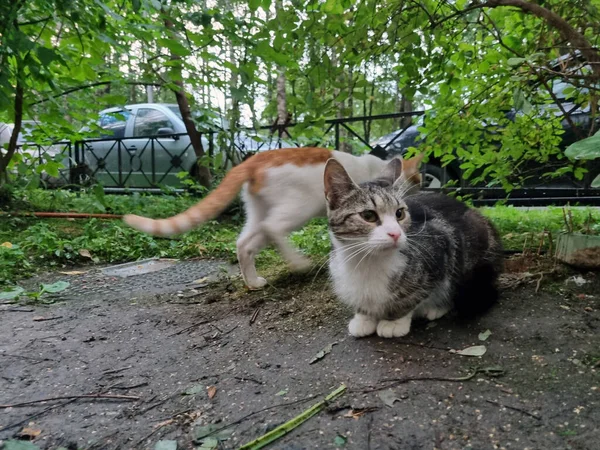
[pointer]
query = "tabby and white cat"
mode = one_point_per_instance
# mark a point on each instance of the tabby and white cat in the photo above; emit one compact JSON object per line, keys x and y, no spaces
{"x":282,"y":190}
{"x":397,"y":257}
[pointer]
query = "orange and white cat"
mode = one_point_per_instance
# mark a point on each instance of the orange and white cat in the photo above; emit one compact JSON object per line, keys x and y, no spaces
{"x":282,"y":190}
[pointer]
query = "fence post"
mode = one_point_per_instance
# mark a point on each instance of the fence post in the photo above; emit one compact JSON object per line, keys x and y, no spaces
{"x":337,"y":136}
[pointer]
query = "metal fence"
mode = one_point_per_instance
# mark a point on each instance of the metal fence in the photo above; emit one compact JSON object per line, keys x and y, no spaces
{"x":153,"y":163}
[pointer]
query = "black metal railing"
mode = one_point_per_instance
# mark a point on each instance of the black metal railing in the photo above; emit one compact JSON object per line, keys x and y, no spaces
{"x":150,"y":163}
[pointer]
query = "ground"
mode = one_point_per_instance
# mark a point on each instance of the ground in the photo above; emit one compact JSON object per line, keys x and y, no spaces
{"x":153,"y":337}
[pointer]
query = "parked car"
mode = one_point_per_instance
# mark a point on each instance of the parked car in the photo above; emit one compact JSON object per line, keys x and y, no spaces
{"x":146,"y":145}
{"x":435,"y":176}
{"x":33,"y":154}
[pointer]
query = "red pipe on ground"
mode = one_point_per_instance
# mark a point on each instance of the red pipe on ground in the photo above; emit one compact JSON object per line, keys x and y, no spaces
{"x":61,"y":215}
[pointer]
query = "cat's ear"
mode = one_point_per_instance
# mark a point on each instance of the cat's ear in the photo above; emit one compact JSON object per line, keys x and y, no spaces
{"x":412,"y":171}
{"x":392,"y":171}
{"x":337,"y":183}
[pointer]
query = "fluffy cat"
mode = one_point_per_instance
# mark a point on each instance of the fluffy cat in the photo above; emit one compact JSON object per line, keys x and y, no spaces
{"x":395,"y":257}
{"x":282,"y":190}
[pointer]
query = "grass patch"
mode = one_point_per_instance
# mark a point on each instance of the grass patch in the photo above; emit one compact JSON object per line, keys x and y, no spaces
{"x":39,"y":244}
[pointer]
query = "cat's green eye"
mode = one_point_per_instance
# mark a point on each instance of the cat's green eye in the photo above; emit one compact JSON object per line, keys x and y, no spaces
{"x":401,"y":213}
{"x":369,"y":215}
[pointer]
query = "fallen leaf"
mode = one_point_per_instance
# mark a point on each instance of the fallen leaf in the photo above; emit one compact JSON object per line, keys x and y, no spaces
{"x":18,"y":445}
{"x":85,"y":253}
{"x":196,"y":389}
{"x":212,"y":390}
{"x":201,"y":432}
{"x":282,"y":392}
{"x":29,"y":433}
{"x":477,"y":350}
{"x":12,"y":294}
{"x":359,"y":412}
{"x":339,"y":441}
{"x":53,"y":288}
{"x":6,"y":244}
{"x":74,"y":272}
{"x":210,"y":443}
{"x":200,"y":281}
{"x":485,"y":335}
{"x":165,"y":445}
{"x":164,"y":423}
{"x":388,"y":397}
{"x":322,"y":353}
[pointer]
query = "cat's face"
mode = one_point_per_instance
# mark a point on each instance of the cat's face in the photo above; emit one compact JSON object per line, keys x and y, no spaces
{"x":373,"y":215}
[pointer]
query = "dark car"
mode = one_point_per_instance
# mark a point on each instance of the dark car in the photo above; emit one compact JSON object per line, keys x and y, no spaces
{"x":435,"y":175}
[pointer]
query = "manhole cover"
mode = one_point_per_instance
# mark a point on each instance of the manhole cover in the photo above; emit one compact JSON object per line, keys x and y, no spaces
{"x":138,"y":267}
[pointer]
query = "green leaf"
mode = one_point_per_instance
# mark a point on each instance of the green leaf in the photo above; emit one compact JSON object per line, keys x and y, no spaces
{"x":516,"y":61}
{"x":201,"y":433}
{"x":196,"y":389}
{"x":19,"y":445}
{"x":282,"y":392}
{"x":588,"y":148}
{"x":53,"y":288}
{"x":596,"y":182}
{"x":476,"y":350}
{"x":388,"y":397}
{"x":321,"y":354}
{"x":174,"y":46}
{"x":210,"y":443}
{"x":485,"y":335}
{"x":339,"y":441}
{"x":137,"y":4}
{"x":46,"y":55}
{"x":12,"y":294}
{"x":254,"y":4}
{"x":165,"y":445}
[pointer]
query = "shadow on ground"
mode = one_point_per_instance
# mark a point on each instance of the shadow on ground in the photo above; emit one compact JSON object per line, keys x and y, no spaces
{"x":153,"y":337}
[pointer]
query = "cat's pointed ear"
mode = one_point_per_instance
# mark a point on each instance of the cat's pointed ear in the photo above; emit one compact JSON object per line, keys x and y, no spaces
{"x":392,"y":171}
{"x":337,"y":183}
{"x":411,"y":169}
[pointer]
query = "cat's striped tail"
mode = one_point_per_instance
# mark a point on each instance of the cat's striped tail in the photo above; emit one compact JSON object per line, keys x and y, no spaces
{"x":208,"y":208}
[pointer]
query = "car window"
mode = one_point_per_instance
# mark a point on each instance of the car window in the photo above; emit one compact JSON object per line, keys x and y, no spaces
{"x":148,"y":121}
{"x":114,"y":124}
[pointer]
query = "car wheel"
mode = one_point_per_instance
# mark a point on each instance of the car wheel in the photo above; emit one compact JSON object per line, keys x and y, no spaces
{"x":434,"y":176}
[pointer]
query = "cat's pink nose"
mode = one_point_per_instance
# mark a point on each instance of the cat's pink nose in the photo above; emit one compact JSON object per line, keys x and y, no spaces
{"x":394,"y":235}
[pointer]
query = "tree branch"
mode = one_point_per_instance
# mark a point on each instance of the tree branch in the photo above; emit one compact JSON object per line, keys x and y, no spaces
{"x":96,"y":84}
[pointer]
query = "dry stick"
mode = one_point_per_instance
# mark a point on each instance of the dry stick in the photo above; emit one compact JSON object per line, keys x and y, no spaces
{"x":514,"y":408}
{"x":564,"y":211}
{"x":570,"y":218}
{"x":43,"y":319}
{"x":397,"y":381}
{"x":537,"y":287}
{"x":541,"y":243}
{"x":550,"y":243}
{"x":202,"y":322}
{"x":108,"y":372}
{"x":254,"y":316}
{"x":72,"y":397}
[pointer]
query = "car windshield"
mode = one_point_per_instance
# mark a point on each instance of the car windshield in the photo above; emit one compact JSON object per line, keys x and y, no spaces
{"x":204,"y":116}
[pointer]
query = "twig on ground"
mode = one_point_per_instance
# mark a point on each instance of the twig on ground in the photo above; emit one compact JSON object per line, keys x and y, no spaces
{"x":514,"y":408}
{"x":44,"y":319}
{"x":248,"y":379}
{"x":282,"y":430}
{"x":14,"y":309}
{"x":202,"y":322}
{"x":254,"y":316}
{"x":27,"y":357}
{"x":134,"y":386}
{"x":108,"y":372}
{"x":537,"y":287}
{"x":72,"y":397}
{"x":397,"y":381}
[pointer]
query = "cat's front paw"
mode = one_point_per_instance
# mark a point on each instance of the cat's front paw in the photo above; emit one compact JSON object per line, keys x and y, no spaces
{"x":362,"y":325}
{"x":256,"y":284}
{"x":394,"y":328}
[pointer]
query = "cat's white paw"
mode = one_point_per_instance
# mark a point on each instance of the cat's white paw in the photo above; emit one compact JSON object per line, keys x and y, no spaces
{"x":394,"y":328}
{"x":300,"y":264}
{"x":435,"y":313}
{"x":259,"y":283}
{"x":362,"y":325}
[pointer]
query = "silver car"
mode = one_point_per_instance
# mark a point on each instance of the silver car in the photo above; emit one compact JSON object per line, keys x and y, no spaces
{"x":144,"y":146}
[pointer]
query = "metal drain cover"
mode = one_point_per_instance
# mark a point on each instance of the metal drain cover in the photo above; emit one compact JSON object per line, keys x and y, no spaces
{"x":138,"y":267}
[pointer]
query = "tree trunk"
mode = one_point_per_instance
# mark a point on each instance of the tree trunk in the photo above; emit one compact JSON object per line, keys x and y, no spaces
{"x":12,"y":143}
{"x":203,"y":172}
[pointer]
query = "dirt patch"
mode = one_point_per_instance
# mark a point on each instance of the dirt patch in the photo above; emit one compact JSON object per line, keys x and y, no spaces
{"x":237,"y":353}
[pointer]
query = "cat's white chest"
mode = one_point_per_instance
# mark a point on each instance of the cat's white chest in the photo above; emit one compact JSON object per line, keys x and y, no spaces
{"x":365,"y":284}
